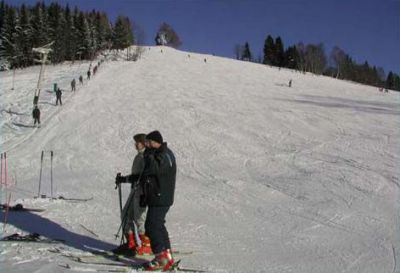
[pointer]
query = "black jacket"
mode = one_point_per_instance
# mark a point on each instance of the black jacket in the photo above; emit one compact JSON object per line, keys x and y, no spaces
{"x":36,"y":113}
{"x":159,"y":176}
{"x":58,"y":93}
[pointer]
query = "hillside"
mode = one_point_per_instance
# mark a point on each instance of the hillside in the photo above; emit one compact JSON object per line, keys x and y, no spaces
{"x":270,"y":178}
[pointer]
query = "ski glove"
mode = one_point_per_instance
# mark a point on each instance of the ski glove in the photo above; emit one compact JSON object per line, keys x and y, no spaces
{"x":120,"y":179}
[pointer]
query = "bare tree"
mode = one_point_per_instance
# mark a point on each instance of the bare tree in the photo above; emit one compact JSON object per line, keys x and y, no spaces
{"x":315,"y":58}
{"x":301,"y":49}
{"x":139,"y":35}
{"x":238,"y":49}
{"x":168,"y":33}
{"x":338,"y":57}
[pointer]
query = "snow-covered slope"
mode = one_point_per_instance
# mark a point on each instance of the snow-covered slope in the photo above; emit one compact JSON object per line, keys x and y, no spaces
{"x":270,"y":178}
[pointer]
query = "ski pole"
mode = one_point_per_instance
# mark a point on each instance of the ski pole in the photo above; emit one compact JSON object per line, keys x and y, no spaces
{"x":9,"y":195}
{"x":120,"y":207}
{"x":123,"y":222}
{"x":130,"y":203}
{"x":40,"y":176}
{"x":5,"y":170}
{"x":7,"y":209}
{"x":51,"y":173}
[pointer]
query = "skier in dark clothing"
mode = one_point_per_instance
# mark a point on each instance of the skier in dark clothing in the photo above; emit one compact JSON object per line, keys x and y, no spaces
{"x":58,"y":95}
{"x":36,"y":115}
{"x":73,"y":85}
{"x":158,"y":180}
{"x":81,"y":79}
{"x":88,"y":74}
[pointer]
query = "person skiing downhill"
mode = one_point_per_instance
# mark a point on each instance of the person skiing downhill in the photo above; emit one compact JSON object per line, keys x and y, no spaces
{"x":158,"y":178}
{"x":133,"y":214}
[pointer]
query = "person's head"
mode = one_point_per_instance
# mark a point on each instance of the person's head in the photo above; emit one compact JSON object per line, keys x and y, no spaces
{"x":154,"y":139}
{"x":139,"y":141}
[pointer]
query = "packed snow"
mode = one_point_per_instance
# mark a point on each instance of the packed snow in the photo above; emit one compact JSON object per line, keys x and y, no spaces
{"x":270,"y":178}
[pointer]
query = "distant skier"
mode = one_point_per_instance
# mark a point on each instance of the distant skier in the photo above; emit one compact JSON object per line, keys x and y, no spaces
{"x":36,"y":115}
{"x":81,"y":79}
{"x":158,"y":176}
{"x":73,"y":85}
{"x":290,"y":83}
{"x":94,"y":70}
{"x":88,"y":74}
{"x":133,"y":211}
{"x":58,"y":96}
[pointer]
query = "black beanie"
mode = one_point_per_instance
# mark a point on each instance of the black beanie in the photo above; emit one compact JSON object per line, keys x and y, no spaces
{"x":155,"y":136}
{"x":139,"y":138}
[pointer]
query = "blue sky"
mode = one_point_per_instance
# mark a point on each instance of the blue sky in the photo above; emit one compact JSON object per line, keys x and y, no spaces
{"x":365,"y":29}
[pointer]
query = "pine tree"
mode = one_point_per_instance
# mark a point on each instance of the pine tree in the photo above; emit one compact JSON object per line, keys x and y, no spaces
{"x":94,"y":35}
{"x":122,"y":33}
{"x":389,"y":84}
{"x":2,"y":13}
{"x":40,"y":25}
{"x":73,"y":35}
{"x":69,"y":35}
{"x":83,"y":35}
{"x":8,"y":46}
{"x":269,"y":51}
{"x":246,"y":55}
{"x":56,"y":25}
{"x":291,"y":58}
{"x":24,"y":41}
{"x":104,"y":30}
{"x":279,"y":52}
{"x":396,"y":82}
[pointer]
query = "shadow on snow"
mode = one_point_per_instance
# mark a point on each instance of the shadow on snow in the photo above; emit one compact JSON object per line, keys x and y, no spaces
{"x":33,"y":223}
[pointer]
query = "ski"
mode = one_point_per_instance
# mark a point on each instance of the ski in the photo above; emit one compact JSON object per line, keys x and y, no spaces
{"x":176,"y":267}
{"x":108,"y":258}
{"x":91,"y":256}
{"x":65,"y":198}
{"x":143,"y":256}
{"x":94,"y":262}
{"x":31,"y":237}
{"x":19,"y":208}
{"x":74,"y":199}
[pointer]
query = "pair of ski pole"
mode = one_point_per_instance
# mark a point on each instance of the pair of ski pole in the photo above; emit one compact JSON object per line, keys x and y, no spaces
{"x":3,"y":174}
{"x":124,"y":214}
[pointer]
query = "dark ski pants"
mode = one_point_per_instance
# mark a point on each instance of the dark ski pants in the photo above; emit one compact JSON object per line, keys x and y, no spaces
{"x":58,"y":100}
{"x":156,"y":230}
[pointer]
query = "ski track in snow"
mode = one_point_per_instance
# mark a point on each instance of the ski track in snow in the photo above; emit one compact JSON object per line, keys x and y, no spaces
{"x":270,"y":178}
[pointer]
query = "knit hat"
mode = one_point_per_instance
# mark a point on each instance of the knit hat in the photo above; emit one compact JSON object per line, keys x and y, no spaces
{"x":155,"y":136}
{"x":139,"y":138}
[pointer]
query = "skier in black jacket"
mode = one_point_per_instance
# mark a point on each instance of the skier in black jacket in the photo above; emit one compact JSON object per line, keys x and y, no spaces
{"x":58,"y":96}
{"x":158,"y":180}
{"x":36,"y":115}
